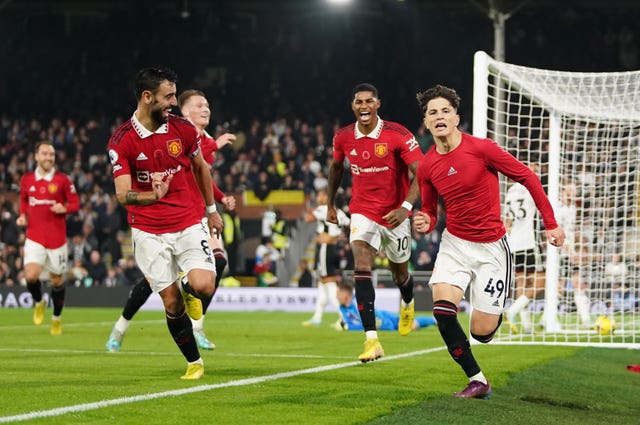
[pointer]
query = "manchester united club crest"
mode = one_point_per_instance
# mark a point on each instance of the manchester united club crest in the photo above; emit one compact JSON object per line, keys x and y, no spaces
{"x":381,"y":150}
{"x":174,"y":147}
{"x":52,"y":188}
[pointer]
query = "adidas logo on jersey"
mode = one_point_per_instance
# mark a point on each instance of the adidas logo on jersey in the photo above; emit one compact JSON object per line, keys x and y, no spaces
{"x":353,"y":152}
{"x":141,"y":157}
{"x":452,"y":171}
{"x":32,"y":189}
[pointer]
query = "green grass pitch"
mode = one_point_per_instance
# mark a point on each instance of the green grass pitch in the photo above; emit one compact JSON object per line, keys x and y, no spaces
{"x":268,"y":369}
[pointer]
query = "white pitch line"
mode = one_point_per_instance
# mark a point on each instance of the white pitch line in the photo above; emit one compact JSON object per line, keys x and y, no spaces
{"x":162,"y":353}
{"x":81,"y":324}
{"x":237,"y":383}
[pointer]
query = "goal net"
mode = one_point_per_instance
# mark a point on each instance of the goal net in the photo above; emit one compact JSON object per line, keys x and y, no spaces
{"x":581,"y":133}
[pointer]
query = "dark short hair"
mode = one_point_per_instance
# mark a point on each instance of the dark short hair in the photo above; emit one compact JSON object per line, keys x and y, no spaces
{"x":364,"y":87}
{"x":185,"y":95}
{"x":438,"y":91}
{"x":151,"y":78}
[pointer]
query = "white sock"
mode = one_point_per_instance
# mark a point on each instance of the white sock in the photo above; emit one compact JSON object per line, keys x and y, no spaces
{"x":478,"y":377}
{"x":518,"y":305}
{"x":371,"y":334}
{"x":197,"y":324}
{"x":199,"y":361}
{"x":122,"y":325}
{"x":323,"y":297}
{"x":332,"y":295}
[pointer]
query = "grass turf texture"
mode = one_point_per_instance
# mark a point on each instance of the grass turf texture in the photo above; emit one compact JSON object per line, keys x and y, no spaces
{"x":541,"y":385}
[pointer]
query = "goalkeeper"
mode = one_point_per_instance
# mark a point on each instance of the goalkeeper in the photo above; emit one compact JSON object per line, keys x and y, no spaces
{"x":385,"y":320}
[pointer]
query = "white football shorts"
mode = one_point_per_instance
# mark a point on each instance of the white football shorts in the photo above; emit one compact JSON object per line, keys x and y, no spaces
{"x":53,"y":260}
{"x":394,"y":243}
{"x":486,"y":267}
{"x":161,"y":257}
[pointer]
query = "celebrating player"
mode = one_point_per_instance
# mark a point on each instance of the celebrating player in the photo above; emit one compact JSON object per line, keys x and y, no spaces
{"x":195,"y":107}
{"x":381,"y":153}
{"x":46,"y":197}
{"x":474,"y":252}
{"x":154,"y":155}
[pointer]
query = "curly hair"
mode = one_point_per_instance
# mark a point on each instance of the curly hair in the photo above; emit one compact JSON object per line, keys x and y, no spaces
{"x":438,"y":91}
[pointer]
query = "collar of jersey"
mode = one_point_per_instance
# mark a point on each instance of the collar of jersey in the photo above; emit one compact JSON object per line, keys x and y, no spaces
{"x":142,"y":131}
{"x":374,"y":134}
{"x":48,"y":177}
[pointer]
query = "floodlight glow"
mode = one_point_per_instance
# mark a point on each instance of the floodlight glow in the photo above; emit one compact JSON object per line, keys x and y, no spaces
{"x":339,"y":1}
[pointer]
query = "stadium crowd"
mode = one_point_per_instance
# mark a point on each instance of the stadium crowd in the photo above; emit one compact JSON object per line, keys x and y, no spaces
{"x":267,"y":156}
{"x":278,"y":80}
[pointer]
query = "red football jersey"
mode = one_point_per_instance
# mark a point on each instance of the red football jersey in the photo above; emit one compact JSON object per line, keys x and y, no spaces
{"x":37,"y":195}
{"x":136,"y":151}
{"x":378,"y":163}
{"x":467,"y":180}
{"x":209,"y":148}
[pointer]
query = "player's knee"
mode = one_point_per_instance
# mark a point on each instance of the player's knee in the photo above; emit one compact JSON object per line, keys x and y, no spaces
{"x":485,"y":338}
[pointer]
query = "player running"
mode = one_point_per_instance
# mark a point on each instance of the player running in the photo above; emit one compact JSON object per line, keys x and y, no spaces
{"x":194,"y":106}
{"x":46,"y":197}
{"x":474,"y":252}
{"x":381,"y":154}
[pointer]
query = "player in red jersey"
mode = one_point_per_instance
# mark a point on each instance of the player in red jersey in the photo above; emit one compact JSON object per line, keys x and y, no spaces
{"x":381,"y":155}
{"x":195,"y":107}
{"x":474,"y":252}
{"x":154,"y":156}
{"x":46,"y":197}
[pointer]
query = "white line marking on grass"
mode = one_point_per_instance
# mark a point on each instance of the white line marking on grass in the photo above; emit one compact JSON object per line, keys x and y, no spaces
{"x":81,"y":324}
{"x":200,"y":388}
{"x":162,"y":353}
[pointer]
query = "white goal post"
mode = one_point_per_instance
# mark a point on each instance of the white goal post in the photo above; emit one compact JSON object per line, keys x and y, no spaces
{"x":581,"y":133}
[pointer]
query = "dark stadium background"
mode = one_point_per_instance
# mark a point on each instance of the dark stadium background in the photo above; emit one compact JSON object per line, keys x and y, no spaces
{"x":267,"y":59}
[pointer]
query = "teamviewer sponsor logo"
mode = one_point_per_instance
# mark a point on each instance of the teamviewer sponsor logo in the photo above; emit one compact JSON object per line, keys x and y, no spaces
{"x":35,"y":201}
{"x":358,"y":170}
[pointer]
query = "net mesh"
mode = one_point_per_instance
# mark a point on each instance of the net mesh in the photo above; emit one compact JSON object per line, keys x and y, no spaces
{"x":581,"y":133}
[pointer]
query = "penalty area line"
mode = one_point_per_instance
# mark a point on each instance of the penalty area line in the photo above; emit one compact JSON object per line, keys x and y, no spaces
{"x":200,"y":388}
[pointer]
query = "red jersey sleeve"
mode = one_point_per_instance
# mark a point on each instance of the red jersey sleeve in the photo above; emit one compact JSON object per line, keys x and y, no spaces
{"x":508,"y":165}
{"x":209,"y":147}
{"x":217,"y":193}
{"x":428,"y":195}
{"x":338,"y":154}
{"x":70,"y":194}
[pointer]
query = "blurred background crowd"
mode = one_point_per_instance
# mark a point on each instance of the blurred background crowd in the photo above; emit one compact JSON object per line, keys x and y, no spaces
{"x":278,"y":74}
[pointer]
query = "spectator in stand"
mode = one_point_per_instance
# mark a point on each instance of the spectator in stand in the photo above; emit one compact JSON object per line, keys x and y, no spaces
{"x":46,"y":196}
{"x":96,"y":269}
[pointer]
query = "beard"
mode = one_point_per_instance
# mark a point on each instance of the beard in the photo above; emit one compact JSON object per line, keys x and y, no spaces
{"x":158,"y":117}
